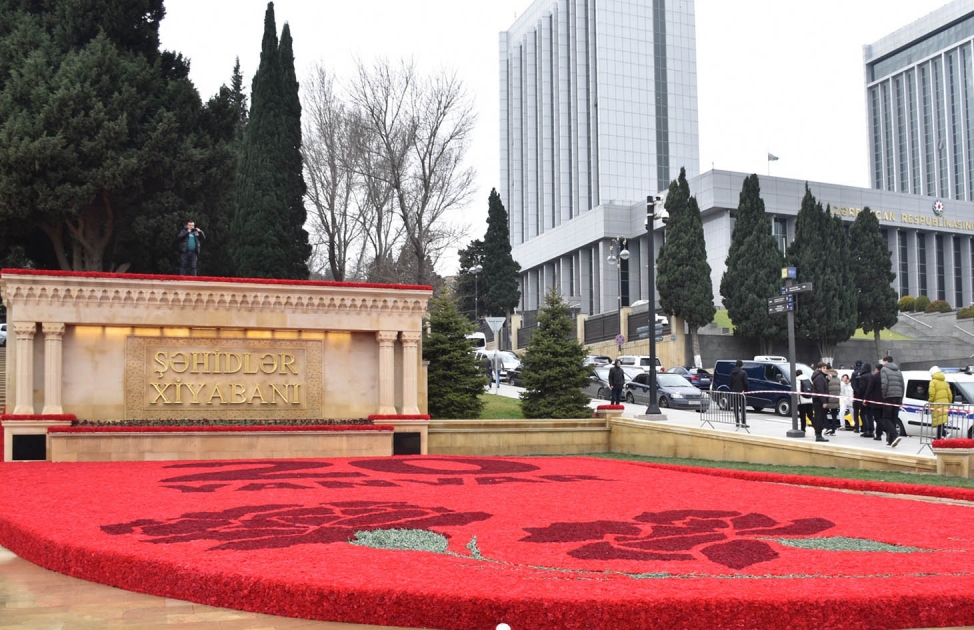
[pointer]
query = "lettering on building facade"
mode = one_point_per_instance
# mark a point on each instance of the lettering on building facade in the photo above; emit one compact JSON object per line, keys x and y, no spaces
{"x":222,"y":378}
{"x":904,"y":218}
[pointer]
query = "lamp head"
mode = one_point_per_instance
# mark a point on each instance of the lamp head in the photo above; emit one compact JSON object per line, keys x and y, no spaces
{"x":624,"y":254}
{"x":476,"y":269}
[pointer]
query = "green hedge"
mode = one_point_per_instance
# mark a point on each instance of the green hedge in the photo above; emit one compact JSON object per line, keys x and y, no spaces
{"x":907,"y":303}
{"x":965,"y":313}
{"x":939,"y":306}
{"x":921,"y":304}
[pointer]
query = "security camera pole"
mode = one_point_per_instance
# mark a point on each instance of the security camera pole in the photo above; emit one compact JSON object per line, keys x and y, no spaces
{"x":653,"y":408}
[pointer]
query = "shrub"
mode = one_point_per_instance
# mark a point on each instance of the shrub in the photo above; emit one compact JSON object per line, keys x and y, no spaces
{"x":921,"y":304}
{"x":907,"y":303}
{"x":965,"y":313}
{"x":938,"y":306}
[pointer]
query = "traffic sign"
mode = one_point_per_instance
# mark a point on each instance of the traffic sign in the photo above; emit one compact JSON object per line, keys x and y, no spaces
{"x":804,"y":287}
{"x":781,"y":308}
{"x":620,"y":339}
{"x":495,"y":323}
{"x":781,"y":299}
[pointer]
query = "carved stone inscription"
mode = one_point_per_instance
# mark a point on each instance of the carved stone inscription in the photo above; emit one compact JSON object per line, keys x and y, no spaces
{"x":222,"y":378}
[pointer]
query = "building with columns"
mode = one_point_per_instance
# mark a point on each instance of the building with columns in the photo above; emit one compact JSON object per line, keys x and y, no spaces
{"x":598,"y":109}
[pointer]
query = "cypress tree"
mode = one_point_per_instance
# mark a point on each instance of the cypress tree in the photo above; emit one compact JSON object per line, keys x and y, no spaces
{"x":872,"y":271}
{"x":683,"y":280}
{"x":455,"y":377}
{"x":266,"y":242}
{"x":753,"y":270}
{"x":820,"y":253}
{"x":469,"y":286}
{"x":552,"y":367}
{"x":501,"y":293}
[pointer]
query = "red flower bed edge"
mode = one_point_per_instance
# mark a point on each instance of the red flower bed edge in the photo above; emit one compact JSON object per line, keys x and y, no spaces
{"x":39,"y":416}
{"x":221,"y":429}
{"x":273,"y":281}
{"x":963,"y":494}
{"x":954,"y":443}
{"x":610,"y":407}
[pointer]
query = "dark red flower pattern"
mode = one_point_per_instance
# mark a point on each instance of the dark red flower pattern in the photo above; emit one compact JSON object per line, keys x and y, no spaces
{"x":723,"y":537}
{"x":278,"y":526}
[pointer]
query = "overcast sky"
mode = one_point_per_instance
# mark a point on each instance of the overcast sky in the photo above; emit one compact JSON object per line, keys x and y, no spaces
{"x":772,"y":75}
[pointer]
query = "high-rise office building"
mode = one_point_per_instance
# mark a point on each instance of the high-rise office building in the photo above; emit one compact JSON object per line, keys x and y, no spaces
{"x":598,"y":110}
{"x":920,"y":105}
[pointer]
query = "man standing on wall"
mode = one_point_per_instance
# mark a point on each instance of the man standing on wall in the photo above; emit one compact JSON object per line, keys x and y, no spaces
{"x":737,"y":379}
{"x":820,"y":387}
{"x":892,"y":383}
{"x":189,"y":239}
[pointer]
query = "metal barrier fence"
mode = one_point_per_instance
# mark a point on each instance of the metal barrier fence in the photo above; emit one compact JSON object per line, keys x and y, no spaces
{"x":725,"y":408}
{"x":943,"y":421}
{"x":602,"y":327}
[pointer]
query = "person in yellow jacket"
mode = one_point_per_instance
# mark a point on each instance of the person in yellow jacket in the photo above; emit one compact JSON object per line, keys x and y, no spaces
{"x":940,"y":398}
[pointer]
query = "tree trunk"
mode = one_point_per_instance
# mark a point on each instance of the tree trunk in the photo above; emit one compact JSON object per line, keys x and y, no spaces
{"x":827,"y":350}
{"x":879,"y":354}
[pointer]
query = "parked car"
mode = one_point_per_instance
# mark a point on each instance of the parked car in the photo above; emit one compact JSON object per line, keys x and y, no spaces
{"x":698,"y":377}
{"x":508,"y":361}
{"x":3,"y":335}
{"x":672,"y":390}
{"x":598,"y":359}
{"x":478,"y":339}
{"x":640,"y":361}
{"x":598,"y":384}
{"x":770,"y":380}
{"x":915,"y":399}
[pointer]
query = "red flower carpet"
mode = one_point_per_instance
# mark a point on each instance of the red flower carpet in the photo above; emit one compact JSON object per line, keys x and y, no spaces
{"x":465,"y":543}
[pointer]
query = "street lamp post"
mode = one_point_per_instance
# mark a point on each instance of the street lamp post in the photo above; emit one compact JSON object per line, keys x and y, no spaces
{"x":475,"y":270}
{"x":651,"y":202}
{"x":612,"y":259}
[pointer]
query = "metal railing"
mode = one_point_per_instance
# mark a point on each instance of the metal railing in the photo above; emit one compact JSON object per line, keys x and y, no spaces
{"x":602,"y":327}
{"x":945,"y":421}
{"x":524,"y":336}
{"x":728,"y":408}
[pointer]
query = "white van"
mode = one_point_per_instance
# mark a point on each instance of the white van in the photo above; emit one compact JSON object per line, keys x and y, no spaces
{"x":479,"y":340}
{"x":915,"y":400}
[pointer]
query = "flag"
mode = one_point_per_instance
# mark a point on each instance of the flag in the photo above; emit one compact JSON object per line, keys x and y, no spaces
{"x":772,"y":157}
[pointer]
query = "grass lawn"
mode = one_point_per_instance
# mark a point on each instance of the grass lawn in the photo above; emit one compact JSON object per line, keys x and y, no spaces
{"x":723,"y":321}
{"x":500,"y":407}
{"x":839,"y":473}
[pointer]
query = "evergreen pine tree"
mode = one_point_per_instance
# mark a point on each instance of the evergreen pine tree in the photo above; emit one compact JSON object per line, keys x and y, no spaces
{"x":820,"y":253}
{"x":872,"y":271}
{"x":265,"y":242}
{"x":552,"y":367}
{"x":295,"y":213}
{"x":753,"y":272}
{"x":501,"y":293}
{"x":683,"y":280}
{"x":469,"y":286}
{"x":455,"y":378}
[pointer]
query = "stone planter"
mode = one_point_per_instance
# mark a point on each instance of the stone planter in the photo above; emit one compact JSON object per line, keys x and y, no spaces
{"x":955,"y":462}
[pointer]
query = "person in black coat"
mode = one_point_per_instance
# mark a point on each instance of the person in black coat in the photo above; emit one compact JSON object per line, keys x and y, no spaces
{"x":820,"y":387}
{"x":617,"y":381}
{"x":737,"y":380}
{"x":872,"y":404}
{"x":189,"y":239}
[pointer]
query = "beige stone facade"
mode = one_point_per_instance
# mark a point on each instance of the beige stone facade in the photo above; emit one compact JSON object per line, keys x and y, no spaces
{"x":114,"y":346}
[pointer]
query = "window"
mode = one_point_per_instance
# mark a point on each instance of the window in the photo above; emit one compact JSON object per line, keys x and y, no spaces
{"x":938,"y":89}
{"x":929,"y":181}
{"x":877,"y":139}
{"x":941,"y":271}
{"x":779,"y":229}
{"x":888,"y":138}
{"x":922,"y":262}
{"x":914,"y":138}
{"x":901,"y":144}
{"x":904,"y":264}
{"x":958,"y":281}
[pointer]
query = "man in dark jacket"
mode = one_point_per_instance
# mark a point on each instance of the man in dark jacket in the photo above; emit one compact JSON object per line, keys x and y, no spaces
{"x":858,"y":389}
{"x":617,"y":381}
{"x":891,"y":380}
{"x":189,"y":239}
{"x":865,"y":395}
{"x":737,"y":380}
{"x":820,"y":387}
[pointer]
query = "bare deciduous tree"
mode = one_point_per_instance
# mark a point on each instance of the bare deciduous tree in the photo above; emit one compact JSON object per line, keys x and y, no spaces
{"x":422,"y":129}
{"x":330,"y":155}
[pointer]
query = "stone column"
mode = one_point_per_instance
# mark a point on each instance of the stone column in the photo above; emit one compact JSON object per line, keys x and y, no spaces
{"x":410,"y":369}
{"x":24,"y":357}
{"x":387,"y":371}
{"x":53,"y":333}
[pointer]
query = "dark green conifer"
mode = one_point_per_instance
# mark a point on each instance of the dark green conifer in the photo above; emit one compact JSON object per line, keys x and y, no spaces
{"x":552,"y":367}
{"x":872,"y":271}
{"x":455,"y":378}
{"x":753,"y":272}
{"x":501,"y":292}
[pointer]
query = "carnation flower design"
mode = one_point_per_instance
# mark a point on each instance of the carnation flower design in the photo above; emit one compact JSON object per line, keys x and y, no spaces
{"x":278,"y":526}
{"x":728,"y":538}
